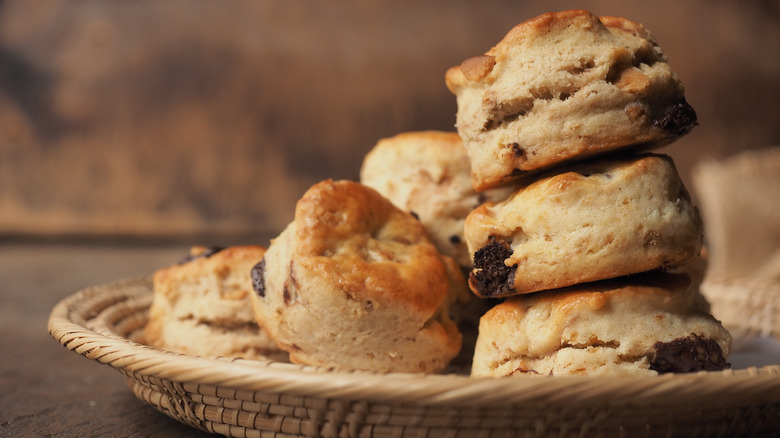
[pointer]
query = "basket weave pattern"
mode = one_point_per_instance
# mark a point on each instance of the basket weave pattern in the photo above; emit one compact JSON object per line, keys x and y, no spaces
{"x":243,"y":398}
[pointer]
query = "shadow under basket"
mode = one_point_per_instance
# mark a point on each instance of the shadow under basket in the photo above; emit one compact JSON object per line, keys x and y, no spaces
{"x":245,"y":398}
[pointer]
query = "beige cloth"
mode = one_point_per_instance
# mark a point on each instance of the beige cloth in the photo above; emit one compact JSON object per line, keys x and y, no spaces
{"x":739,"y":198}
{"x":740,"y":204}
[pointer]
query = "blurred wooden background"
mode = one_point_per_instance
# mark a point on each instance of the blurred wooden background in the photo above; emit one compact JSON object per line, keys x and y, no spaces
{"x":206,"y":120}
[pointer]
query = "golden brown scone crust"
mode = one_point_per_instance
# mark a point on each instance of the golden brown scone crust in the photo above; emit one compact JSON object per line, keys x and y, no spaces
{"x":428,"y":173}
{"x":561,"y":87}
{"x":202,"y":307}
{"x":354,"y":283}
{"x":637,"y":325}
{"x":593,"y":221}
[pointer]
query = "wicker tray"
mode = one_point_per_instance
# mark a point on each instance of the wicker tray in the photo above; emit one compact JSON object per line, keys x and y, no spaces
{"x":243,"y":398}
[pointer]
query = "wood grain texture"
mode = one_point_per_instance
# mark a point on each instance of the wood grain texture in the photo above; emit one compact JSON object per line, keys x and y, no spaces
{"x":46,"y":389}
{"x":201,"y":118}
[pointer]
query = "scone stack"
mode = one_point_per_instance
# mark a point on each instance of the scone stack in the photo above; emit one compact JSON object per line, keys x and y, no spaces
{"x":563,"y":110}
{"x":546,"y":198}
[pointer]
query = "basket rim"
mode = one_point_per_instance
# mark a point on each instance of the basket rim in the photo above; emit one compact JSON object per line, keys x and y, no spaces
{"x":227,"y":375}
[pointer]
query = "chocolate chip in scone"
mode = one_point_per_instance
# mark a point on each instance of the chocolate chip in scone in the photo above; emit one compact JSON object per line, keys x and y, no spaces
{"x":517,"y":151}
{"x":688,"y":355}
{"x":678,"y":119}
{"x":491,"y":277}
{"x":258,"y":278}
{"x":206,"y":253}
{"x":455,"y":239}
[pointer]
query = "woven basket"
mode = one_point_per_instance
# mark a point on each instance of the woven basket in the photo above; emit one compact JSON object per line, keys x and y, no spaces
{"x":244,"y":398}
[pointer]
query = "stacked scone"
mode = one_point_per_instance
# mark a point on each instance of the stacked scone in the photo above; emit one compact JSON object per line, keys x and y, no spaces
{"x":562,"y":110}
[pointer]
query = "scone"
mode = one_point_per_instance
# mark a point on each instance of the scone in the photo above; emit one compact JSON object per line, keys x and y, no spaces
{"x":353,"y":283}
{"x":563,"y":86}
{"x":202,"y":306}
{"x":593,"y":221}
{"x":427,"y":173}
{"x":639,"y":325}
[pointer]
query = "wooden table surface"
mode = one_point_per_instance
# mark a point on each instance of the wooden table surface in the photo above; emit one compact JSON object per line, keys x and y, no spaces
{"x":45,"y":389}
